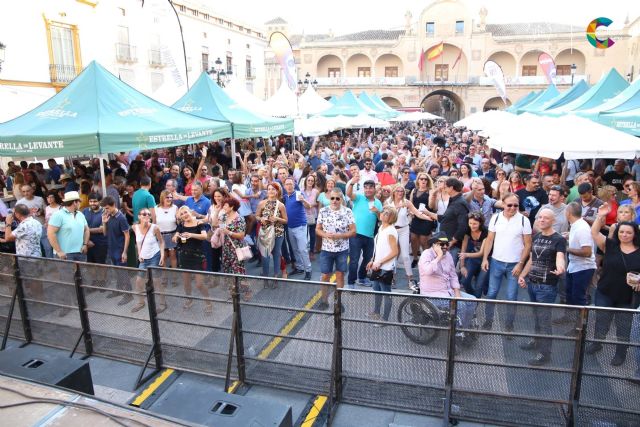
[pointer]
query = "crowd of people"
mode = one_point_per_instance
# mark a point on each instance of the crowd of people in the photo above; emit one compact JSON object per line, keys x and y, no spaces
{"x":458,"y":218}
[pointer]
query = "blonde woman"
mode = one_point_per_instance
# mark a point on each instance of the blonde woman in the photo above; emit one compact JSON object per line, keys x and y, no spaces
{"x":420,"y":228}
{"x":189,"y":236}
{"x":626,"y":213}
{"x":150,"y":245}
{"x":404,"y":208}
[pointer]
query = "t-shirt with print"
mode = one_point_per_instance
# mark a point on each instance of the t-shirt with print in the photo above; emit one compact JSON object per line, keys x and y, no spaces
{"x":532,"y":201}
{"x":335,"y":222}
{"x":544,"y":250}
{"x":28,"y":234}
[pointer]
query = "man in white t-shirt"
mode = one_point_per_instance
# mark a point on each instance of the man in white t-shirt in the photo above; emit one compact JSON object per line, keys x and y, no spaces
{"x":34,"y":203}
{"x":510,"y":238}
{"x":335,"y":225}
{"x":582,"y":260}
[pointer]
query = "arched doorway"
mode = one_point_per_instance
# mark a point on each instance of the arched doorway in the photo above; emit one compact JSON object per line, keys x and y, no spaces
{"x":392,"y":102}
{"x":495,"y":103}
{"x":443,"y":103}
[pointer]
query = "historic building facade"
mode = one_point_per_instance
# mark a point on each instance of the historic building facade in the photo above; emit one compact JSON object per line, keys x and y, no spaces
{"x":454,"y":85}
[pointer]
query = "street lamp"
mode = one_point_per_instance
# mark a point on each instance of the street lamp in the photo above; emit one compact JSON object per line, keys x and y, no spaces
{"x":573,"y":72}
{"x":629,"y":77}
{"x":2,"y":48}
{"x":221,"y":75}
{"x":307,"y":81}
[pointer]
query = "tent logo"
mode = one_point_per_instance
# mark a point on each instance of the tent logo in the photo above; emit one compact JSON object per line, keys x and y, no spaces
{"x":135,"y":110}
{"x":58,"y":111}
{"x":591,"y":33}
{"x":189,"y":107}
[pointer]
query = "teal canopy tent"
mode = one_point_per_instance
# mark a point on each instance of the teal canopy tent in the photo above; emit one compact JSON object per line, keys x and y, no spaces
{"x":348,"y":105}
{"x":547,"y":95}
{"x":608,"y":87}
{"x":207,"y":100}
{"x":628,"y":99}
{"x":523,"y":101}
{"x":564,"y":98}
{"x":626,"y":121}
{"x":369,"y":102}
{"x":99,"y":114}
{"x":382,"y":104}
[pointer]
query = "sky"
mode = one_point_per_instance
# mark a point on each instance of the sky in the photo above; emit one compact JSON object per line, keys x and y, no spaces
{"x":347,"y":16}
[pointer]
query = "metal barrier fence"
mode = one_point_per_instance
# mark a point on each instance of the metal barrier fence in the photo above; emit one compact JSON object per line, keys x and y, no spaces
{"x":442,"y":357}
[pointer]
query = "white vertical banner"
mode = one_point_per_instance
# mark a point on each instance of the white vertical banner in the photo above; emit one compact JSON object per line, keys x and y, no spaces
{"x":494,"y":72}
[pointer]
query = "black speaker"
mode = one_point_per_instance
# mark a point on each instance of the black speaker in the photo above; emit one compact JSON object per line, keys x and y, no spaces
{"x":73,"y":374}
{"x":199,"y":402}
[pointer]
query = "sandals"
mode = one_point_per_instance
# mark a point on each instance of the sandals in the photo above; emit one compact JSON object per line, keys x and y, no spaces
{"x":188,"y":304}
{"x":139,"y":306}
{"x":208,"y":309}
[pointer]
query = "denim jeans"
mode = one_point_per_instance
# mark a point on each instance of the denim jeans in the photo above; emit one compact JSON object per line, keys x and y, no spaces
{"x":47,"y":249}
{"x":499,"y":270}
{"x":273,"y":258}
{"x":312,"y":236}
{"x":298,"y":240}
{"x":122,"y":276}
{"x":466,"y":309}
{"x":540,"y":292}
{"x":474,"y":269}
{"x":577,"y":285}
{"x":359,"y":245}
{"x":378,"y":288}
{"x":603,"y":321}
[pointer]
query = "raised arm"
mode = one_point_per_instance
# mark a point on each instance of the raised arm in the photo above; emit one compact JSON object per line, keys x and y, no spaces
{"x":598,"y":237}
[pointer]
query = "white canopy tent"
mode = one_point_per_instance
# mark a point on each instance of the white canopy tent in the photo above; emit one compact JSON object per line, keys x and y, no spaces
{"x":485,"y":119}
{"x":576,"y":137}
{"x":283,"y":103}
{"x":415,"y":116}
{"x":239,"y":93}
{"x":311,"y":103}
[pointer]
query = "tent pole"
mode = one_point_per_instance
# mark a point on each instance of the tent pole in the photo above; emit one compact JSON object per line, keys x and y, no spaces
{"x":233,"y":153}
{"x":102,"y":179}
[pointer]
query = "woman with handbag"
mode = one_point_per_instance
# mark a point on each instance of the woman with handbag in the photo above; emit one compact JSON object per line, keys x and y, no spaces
{"x":217,"y":201}
{"x":150,"y":245}
{"x":382,"y":265}
{"x":272,"y":215}
{"x":189,"y":237}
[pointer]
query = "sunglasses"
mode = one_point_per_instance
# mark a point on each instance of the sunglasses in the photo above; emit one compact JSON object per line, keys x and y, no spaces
{"x":422,"y":179}
{"x":443,"y":244}
{"x":169,"y":197}
{"x":144,"y":214}
{"x":512,"y":205}
{"x":335,"y":198}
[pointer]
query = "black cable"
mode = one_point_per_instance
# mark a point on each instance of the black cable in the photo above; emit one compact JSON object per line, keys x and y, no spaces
{"x":37,"y":400}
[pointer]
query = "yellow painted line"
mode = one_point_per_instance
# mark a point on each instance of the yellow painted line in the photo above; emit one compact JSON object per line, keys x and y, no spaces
{"x":318,"y":404}
{"x":233,"y":387}
{"x":152,"y":387}
{"x":289,"y":327}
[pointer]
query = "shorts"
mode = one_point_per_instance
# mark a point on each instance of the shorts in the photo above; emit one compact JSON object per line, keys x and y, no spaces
{"x":97,"y":254}
{"x":154,"y":261}
{"x":329,"y":259}
{"x":168,"y":242}
{"x":421,"y":227}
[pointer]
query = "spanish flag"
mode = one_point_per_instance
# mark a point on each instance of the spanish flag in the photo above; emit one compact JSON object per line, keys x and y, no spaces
{"x":435,"y":52}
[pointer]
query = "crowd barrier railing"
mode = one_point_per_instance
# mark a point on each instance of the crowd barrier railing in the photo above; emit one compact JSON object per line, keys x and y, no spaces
{"x":450,"y":358}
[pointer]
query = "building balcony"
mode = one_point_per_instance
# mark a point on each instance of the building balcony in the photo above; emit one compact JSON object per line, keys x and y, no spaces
{"x":126,"y":53}
{"x":531,"y":80}
{"x":155,"y":59}
{"x":250,"y":74}
{"x":362,"y":81}
{"x":63,"y":74}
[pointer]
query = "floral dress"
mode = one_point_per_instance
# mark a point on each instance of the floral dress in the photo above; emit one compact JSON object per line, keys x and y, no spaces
{"x":230,"y":262}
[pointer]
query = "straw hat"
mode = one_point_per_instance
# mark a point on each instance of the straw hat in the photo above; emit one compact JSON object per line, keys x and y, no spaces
{"x":70,"y":196}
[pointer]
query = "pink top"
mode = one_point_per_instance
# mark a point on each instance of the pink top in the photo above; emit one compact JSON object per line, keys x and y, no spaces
{"x":437,"y":278}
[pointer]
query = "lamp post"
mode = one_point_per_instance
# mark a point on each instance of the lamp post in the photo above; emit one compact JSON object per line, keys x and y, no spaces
{"x":222,"y":76}
{"x":573,"y":72}
{"x":302,"y":86}
{"x":2,"y":49}
{"x":629,"y":77}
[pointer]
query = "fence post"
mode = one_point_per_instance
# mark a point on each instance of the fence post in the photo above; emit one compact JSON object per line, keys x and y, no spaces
{"x":335,"y":388}
{"x":451,"y":349}
{"x":82,"y":308}
{"x":238,"y":330}
{"x":153,"y":320}
{"x":22,"y":304}
{"x":578,"y":360}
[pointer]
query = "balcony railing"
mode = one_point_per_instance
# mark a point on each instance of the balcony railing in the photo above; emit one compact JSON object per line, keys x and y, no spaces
{"x":532,"y":80}
{"x":250,"y":73}
{"x":63,"y":73}
{"x":155,"y":58}
{"x":126,"y":53}
{"x":361,"y":81}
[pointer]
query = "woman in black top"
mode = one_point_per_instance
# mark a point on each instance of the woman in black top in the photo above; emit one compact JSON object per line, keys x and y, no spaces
{"x":471,"y":256}
{"x":621,"y":256}
{"x":420,"y":228}
{"x":189,"y":236}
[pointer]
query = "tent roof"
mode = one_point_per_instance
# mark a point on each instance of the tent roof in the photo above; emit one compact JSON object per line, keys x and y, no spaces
{"x":207,"y":100}
{"x":551,"y":92}
{"x":239,"y":93}
{"x":347,"y":105}
{"x":311,"y":103}
{"x":628,"y":99}
{"x":384,"y":113}
{"x":98,"y":114}
{"x":564,"y":98}
{"x":626,"y":121}
{"x":608,"y":87}
{"x":523,"y":101}
{"x":382,"y":104}
{"x":283,"y":103}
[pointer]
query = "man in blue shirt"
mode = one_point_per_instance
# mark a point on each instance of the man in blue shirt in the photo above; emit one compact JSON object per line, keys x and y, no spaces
{"x":142,"y":199}
{"x":366,"y":209}
{"x":297,"y":228}
{"x":97,"y":252}
{"x":54,"y":171}
{"x":116,"y":228}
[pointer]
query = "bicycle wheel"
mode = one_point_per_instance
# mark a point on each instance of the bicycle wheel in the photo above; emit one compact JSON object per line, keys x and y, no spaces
{"x":418,"y":312}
